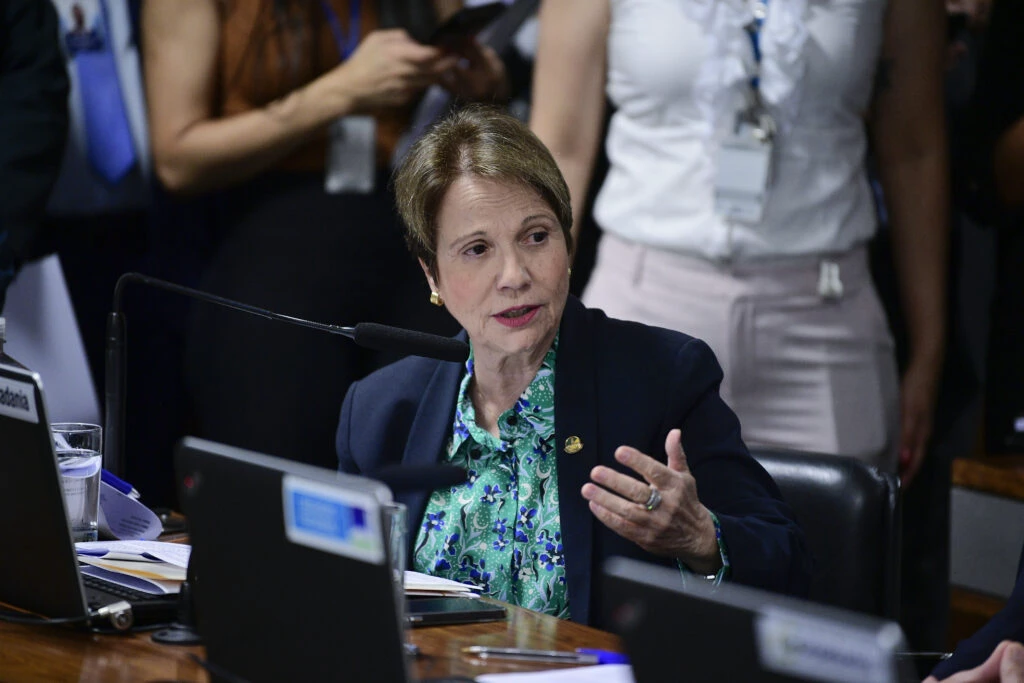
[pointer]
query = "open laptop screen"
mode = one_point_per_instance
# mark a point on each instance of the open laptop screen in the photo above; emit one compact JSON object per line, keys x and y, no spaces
{"x":696,"y":632}
{"x":291,"y":578}
{"x":39,"y":570}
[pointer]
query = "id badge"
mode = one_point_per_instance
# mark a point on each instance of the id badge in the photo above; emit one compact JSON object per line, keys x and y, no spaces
{"x":351,"y":155}
{"x":81,"y":22}
{"x":744,"y":174}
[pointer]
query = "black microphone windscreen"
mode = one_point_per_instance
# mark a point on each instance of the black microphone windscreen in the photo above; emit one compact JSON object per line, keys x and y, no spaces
{"x":405,"y":478}
{"x":386,"y":338}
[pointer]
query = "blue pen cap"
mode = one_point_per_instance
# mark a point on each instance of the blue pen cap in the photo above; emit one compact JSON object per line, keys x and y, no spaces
{"x":604,"y":656}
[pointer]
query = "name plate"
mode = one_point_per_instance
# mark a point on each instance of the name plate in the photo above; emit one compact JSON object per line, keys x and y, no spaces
{"x":18,"y":400}
{"x":822,"y":650}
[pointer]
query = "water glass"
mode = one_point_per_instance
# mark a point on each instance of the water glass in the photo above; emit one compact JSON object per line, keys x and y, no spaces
{"x":395,"y":536}
{"x":79,"y":450}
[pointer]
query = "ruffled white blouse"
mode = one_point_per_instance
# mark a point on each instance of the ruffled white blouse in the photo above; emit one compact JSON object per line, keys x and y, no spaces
{"x":678,"y":72}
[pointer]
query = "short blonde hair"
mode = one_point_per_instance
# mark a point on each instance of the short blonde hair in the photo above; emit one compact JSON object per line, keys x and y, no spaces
{"x":478,"y":141}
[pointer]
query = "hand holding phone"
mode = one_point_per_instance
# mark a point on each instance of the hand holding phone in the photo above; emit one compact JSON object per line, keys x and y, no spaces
{"x":465,"y":24}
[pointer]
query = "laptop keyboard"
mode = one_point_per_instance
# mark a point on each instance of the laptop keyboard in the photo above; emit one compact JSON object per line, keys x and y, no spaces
{"x":99,"y":592}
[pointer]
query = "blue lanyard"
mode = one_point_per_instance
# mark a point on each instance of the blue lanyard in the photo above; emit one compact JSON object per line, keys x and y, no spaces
{"x":754,"y":31}
{"x":346,"y":44}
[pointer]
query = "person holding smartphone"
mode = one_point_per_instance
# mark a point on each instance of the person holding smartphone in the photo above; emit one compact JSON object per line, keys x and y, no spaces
{"x":283,"y":113}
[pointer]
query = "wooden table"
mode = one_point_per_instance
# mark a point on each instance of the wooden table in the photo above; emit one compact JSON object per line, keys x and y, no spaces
{"x":38,"y":653}
{"x":1000,"y":475}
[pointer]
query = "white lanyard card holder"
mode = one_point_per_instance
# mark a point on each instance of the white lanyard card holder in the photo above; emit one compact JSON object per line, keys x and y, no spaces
{"x":351,"y":155}
{"x":744,"y":169}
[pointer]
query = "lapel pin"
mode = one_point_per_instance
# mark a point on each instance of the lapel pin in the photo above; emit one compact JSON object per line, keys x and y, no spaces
{"x":573,"y":445}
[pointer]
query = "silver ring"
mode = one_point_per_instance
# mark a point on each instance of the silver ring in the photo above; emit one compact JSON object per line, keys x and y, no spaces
{"x":653,"y":501}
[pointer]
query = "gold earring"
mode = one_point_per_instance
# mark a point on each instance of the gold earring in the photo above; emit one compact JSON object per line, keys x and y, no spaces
{"x":436,"y":299}
{"x":570,"y":272}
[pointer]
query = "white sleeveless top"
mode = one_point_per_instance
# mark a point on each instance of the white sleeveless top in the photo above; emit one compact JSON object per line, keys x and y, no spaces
{"x":678,"y":71}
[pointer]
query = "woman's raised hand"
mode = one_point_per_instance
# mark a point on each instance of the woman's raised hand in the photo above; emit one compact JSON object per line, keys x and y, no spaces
{"x":671,"y":522}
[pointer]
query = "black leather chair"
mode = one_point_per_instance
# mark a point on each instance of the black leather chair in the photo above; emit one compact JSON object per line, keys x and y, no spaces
{"x":850,"y":513}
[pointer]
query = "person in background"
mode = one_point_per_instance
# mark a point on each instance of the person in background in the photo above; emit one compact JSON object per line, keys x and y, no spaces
{"x":33,"y":126}
{"x":100,"y":223}
{"x":284,"y":113}
{"x":737,"y":206}
{"x":924,"y":591}
{"x":583,"y":436}
{"x":98,"y":212}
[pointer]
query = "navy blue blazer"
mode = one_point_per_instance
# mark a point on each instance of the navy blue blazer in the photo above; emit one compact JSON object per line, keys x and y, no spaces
{"x":616,"y":383}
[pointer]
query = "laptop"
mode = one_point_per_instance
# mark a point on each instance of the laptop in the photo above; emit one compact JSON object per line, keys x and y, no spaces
{"x":702,"y":633}
{"x":40,"y":571}
{"x":292,"y":581}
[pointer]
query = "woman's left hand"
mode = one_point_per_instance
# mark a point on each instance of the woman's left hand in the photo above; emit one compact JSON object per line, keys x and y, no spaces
{"x":679,"y":527}
{"x":479,"y":76}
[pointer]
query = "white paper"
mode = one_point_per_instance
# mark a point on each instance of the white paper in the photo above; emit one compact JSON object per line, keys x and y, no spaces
{"x":123,"y":517}
{"x":415,"y":582}
{"x":602,"y":673}
{"x":141,"y":567}
{"x":171,"y":553}
{"x":134,"y":582}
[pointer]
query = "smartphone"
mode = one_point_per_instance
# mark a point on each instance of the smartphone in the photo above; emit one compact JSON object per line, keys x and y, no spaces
{"x":465,"y":23}
{"x":441,"y":611}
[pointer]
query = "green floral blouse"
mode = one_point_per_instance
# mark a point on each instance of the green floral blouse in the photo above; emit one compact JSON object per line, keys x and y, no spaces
{"x":501,"y":529}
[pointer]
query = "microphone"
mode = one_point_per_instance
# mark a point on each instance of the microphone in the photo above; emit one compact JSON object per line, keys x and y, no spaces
{"x":367,"y":335}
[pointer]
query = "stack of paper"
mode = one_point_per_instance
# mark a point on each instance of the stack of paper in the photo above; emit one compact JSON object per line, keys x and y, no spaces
{"x":148,"y":566}
{"x":417,"y":584}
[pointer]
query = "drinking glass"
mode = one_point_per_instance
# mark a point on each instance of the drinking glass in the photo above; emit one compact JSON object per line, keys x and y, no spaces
{"x":79,"y":449}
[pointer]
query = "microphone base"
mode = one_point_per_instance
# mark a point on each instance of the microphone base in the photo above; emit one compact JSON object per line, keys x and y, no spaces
{"x":177,"y":634}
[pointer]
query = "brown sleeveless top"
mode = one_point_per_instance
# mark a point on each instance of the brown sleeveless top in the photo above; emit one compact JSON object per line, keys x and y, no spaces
{"x":265,"y":54}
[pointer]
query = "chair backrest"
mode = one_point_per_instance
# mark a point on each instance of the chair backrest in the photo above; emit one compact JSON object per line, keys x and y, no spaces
{"x":850,"y":513}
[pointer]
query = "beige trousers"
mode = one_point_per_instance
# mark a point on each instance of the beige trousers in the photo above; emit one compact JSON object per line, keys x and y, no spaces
{"x":804,"y":343}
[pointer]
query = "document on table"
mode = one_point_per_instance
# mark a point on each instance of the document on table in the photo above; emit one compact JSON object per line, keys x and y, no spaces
{"x":149,"y":566}
{"x":417,"y":584}
{"x":602,"y":673}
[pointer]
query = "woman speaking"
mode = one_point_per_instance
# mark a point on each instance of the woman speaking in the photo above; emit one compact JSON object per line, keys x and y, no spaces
{"x":584,"y":437}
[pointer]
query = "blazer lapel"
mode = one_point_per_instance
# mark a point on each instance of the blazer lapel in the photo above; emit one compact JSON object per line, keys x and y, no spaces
{"x":577,"y":450}
{"x":428,"y":435}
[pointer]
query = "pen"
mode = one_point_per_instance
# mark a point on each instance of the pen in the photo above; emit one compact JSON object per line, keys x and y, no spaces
{"x":581,"y":655}
{"x":119,"y":484}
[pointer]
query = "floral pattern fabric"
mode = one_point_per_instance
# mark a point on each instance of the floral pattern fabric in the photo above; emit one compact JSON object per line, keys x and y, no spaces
{"x":501,"y":529}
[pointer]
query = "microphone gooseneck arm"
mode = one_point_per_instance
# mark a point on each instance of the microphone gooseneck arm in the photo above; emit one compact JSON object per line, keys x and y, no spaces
{"x":369,"y":335}
{"x":349,"y":332}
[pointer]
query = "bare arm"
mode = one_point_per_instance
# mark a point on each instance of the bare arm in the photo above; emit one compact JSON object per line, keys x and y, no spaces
{"x":568,"y":89}
{"x":195,"y":152}
{"x":908,"y":127}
